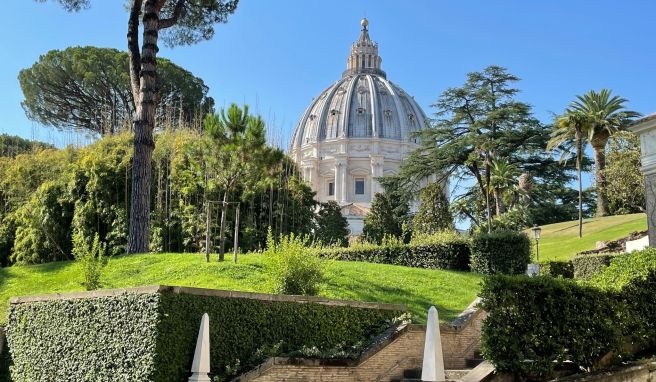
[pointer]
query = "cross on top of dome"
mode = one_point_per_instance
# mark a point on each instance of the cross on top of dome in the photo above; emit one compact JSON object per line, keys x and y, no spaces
{"x":364,"y":56}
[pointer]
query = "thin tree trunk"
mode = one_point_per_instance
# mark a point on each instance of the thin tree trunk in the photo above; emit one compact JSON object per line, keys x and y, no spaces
{"x":579,"y":159}
{"x":498,"y":198}
{"x":139,"y":235}
{"x":224,"y":208}
{"x":599,"y":148}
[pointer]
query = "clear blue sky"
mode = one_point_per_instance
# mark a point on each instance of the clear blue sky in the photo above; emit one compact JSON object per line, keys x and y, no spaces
{"x":277,"y":55}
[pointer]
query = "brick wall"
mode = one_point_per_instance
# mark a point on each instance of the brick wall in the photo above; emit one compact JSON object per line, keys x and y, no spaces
{"x":403,"y":350}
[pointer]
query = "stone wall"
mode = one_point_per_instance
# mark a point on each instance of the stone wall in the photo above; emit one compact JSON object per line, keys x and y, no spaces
{"x":638,"y":373}
{"x":387,"y":360}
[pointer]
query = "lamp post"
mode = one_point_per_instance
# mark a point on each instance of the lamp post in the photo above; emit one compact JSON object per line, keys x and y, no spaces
{"x":536,"y":236}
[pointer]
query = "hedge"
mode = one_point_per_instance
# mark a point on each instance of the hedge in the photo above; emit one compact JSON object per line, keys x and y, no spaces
{"x":150,"y":335}
{"x":534,"y":324}
{"x":563,"y":269}
{"x":503,"y":251}
{"x":454,"y":254}
{"x":586,"y":266}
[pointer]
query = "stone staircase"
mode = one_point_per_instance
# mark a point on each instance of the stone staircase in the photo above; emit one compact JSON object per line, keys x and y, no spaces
{"x":414,"y":375}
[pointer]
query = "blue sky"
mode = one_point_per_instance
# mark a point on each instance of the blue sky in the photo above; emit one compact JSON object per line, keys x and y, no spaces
{"x":277,"y":55}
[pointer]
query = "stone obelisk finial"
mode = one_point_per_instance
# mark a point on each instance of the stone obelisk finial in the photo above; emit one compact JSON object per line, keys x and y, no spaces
{"x":201,"y":365}
{"x":433,"y":366}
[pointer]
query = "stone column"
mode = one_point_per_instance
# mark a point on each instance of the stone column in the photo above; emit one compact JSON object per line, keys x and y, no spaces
{"x":646,"y":129}
{"x":341,"y":171}
{"x":377,"y":164}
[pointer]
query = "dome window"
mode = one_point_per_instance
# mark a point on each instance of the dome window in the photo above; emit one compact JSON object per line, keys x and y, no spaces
{"x":313,"y":117}
{"x":411,"y":117}
{"x":334,"y":112}
{"x":360,"y":110}
{"x":388,"y":113}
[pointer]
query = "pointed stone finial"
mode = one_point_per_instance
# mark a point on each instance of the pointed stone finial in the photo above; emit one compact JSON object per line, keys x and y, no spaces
{"x":364,"y":23}
{"x":201,"y":365}
{"x":433,"y":366}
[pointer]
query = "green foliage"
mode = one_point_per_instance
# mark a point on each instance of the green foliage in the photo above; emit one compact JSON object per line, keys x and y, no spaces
{"x":443,"y":250}
{"x":91,"y":257}
{"x":382,"y":220}
{"x":506,"y":252}
{"x":626,"y":191}
{"x":293,"y":267}
{"x":547,"y":321}
{"x":332,"y":227}
{"x":152,"y":336}
{"x":551,"y":320}
{"x":433,"y":214}
{"x":89,"y":87}
{"x":476,"y":125}
{"x":517,"y":219}
{"x":586,"y":266}
{"x":625,"y":268}
{"x":12,"y":145}
{"x":563,"y":269}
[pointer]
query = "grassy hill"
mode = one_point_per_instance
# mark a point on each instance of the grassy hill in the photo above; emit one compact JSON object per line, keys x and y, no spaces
{"x":449,"y":291}
{"x":560,"y":241}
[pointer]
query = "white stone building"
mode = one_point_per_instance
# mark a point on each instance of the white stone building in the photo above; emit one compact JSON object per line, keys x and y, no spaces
{"x":356,"y":130}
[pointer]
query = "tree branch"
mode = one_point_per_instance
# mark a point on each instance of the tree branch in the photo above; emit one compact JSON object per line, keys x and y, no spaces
{"x":177,"y":12}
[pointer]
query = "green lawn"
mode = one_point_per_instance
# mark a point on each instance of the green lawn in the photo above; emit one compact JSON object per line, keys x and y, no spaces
{"x":560,"y":241}
{"x":449,"y":291}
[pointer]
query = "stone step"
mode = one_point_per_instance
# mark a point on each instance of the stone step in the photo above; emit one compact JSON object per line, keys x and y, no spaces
{"x":414,"y":375}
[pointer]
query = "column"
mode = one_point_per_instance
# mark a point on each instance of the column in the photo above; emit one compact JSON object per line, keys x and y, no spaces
{"x":646,"y":129}
{"x":377,"y":164}
{"x":341,"y":172}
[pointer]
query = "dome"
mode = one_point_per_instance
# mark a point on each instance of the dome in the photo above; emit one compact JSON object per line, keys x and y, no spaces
{"x":356,"y":131}
{"x":362,"y":104}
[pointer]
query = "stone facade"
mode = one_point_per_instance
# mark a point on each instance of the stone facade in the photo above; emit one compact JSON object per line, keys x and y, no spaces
{"x":402,"y":351}
{"x":646,"y":129}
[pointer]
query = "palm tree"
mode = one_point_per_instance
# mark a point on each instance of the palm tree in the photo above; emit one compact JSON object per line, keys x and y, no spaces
{"x":604,"y":115}
{"x":569,"y":131}
{"x":502,"y":180}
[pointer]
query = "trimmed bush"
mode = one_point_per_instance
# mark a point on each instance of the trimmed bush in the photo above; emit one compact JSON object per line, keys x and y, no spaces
{"x":547,"y":321}
{"x":506,"y":252}
{"x":563,"y":269}
{"x":293,"y":267}
{"x":440,"y":251}
{"x":586,"y":266}
{"x":150,"y":335}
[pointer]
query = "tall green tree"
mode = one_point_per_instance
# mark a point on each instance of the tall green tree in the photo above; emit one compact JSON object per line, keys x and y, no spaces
{"x":604,"y":115}
{"x":476,"y":125}
{"x":332,"y":226}
{"x":89,"y":88}
{"x":381,"y":220}
{"x":238,"y":148}
{"x":567,"y":136}
{"x":626,"y":191}
{"x":178,"y":22}
{"x":433,"y":214}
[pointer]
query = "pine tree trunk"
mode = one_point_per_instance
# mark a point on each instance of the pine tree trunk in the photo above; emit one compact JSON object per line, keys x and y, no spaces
{"x":139,"y":236}
{"x":599,"y":148}
{"x":224,"y":215}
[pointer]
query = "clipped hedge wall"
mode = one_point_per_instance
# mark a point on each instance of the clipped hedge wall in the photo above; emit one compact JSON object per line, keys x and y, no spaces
{"x":150,"y":335}
{"x":563,"y":269}
{"x":586,"y":266}
{"x":549,"y":320}
{"x":454,"y":255}
{"x":506,"y":252}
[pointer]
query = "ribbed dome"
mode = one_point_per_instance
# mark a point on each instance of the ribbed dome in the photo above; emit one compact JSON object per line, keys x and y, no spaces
{"x":363,"y":104}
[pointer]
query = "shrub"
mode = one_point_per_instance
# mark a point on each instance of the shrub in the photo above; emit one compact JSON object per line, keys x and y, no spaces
{"x":624,"y":269}
{"x":150,"y":335}
{"x":443,"y":250}
{"x":586,"y":266}
{"x":433,"y":214}
{"x":293,"y":267}
{"x":332,"y":227}
{"x":91,"y":258}
{"x":547,"y":321}
{"x":563,"y":269}
{"x":507,"y":252}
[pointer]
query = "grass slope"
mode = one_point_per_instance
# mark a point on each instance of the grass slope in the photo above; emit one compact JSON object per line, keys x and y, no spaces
{"x":560,"y":241}
{"x":449,"y":291}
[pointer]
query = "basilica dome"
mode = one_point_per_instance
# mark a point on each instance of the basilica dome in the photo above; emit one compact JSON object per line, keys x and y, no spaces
{"x":359,"y":129}
{"x":362,"y":104}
